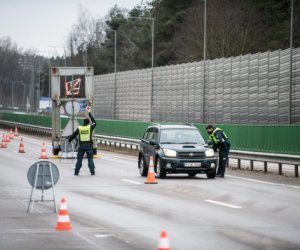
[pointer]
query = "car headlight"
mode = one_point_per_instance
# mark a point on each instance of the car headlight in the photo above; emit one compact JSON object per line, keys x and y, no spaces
{"x":170,"y":153}
{"x":210,"y":153}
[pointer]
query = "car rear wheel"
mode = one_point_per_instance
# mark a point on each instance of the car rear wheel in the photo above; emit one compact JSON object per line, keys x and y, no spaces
{"x":160,"y":171}
{"x":211,"y":175}
{"x":142,"y":167}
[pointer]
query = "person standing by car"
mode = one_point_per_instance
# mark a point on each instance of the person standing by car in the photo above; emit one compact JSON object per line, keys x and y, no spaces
{"x":220,"y":142}
{"x":85,"y":143}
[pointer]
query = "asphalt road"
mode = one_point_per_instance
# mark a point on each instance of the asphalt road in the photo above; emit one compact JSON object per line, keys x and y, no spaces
{"x":115,"y":209}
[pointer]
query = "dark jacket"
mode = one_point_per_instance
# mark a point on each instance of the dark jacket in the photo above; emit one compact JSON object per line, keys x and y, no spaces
{"x":76,"y":132}
{"x":221,"y":140}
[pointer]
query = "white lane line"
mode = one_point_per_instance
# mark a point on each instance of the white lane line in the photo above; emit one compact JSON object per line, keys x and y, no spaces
{"x":264,"y":182}
{"x":103,"y":235}
{"x":223,"y":204}
{"x":88,"y":241}
{"x":120,"y":157}
{"x":133,"y":182}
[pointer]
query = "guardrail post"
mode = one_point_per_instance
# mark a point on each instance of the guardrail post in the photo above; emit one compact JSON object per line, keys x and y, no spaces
{"x":239,"y":163}
{"x":280,"y":168}
{"x":265,"y":166}
{"x":251,"y":165}
{"x":296,"y":171}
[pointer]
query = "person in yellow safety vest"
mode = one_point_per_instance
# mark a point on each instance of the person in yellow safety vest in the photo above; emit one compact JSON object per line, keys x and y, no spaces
{"x":220,"y":142}
{"x":85,"y":144}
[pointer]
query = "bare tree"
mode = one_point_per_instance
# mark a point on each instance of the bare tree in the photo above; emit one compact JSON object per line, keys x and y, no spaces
{"x":232,"y":29}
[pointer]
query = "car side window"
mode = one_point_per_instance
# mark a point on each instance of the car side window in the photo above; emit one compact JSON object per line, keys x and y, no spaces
{"x":148,"y":135}
{"x":155,"y":135}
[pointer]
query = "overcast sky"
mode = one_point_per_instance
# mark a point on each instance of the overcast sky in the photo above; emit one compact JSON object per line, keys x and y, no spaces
{"x":42,"y":23}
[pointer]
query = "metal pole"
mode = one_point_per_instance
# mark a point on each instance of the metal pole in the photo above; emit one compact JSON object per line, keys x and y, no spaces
{"x":152,"y":65}
{"x":12,"y":94}
{"x":85,"y":55}
{"x":204,"y":63}
{"x":115,"y":72}
{"x":291,"y":62}
{"x":152,"y":58}
{"x":115,"y":87}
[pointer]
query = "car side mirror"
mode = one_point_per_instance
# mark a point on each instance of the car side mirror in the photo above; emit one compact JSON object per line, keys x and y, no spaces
{"x":154,"y":143}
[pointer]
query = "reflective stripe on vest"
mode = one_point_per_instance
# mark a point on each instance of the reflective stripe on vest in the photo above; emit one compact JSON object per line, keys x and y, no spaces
{"x":214,"y":138}
{"x":85,"y":133}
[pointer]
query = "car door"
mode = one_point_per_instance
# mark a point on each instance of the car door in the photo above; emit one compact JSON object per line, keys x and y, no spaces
{"x":145,"y":144}
{"x":147,"y":148}
{"x":153,"y":147}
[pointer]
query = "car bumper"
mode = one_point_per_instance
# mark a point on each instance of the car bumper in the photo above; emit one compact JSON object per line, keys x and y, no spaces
{"x":176,"y":165}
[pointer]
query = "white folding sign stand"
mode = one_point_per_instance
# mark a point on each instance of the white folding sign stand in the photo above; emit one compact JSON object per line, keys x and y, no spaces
{"x":42,"y":175}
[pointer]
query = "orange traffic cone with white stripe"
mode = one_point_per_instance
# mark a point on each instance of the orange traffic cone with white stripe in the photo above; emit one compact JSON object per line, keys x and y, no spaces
{"x":16,"y":131}
{"x":3,"y":143}
{"x":21,"y":147}
{"x":164,"y":243}
{"x":63,"y":222}
{"x":7,"y":138}
{"x":151,"y":173}
{"x":43,"y":154}
{"x":11,"y":135}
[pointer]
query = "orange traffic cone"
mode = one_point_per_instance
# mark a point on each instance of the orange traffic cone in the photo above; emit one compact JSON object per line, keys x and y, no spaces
{"x":151,"y":174}
{"x":11,"y":135}
{"x":21,"y":147}
{"x":3,"y":143}
{"x":164,"y":243}
{"x":43,"y":154}
{"x":63,"y":222}
{"x":7,"y":138}
{"x":16,"y":131}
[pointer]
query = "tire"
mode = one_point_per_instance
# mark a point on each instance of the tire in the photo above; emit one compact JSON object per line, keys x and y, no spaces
{"x":192,"y":174}
{"x":55,"y":151}
{"x":142,"y":167}
{"x":160,"y":171}
{"x":211,"y":175}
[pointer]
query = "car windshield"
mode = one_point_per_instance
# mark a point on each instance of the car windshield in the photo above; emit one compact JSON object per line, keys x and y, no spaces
{"x":181,"y":136}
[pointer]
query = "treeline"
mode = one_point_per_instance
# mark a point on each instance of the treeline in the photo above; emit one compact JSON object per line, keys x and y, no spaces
{"x":234,"y":27}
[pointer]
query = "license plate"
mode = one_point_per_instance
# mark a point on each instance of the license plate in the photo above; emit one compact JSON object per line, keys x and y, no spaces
{"x":192,"y":164}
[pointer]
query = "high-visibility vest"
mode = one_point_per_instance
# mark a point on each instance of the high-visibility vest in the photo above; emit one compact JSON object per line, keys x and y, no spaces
{"x":214,"y":138}
{"x":85,"y":133}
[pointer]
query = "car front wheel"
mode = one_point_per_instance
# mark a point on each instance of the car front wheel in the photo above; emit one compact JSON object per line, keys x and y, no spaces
{"x":160,"y":171}
{"x":142,"y":167}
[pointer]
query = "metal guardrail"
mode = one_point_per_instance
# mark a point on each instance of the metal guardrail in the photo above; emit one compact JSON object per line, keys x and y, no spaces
{"x":266,"y":159}
{"x":133,"y":144}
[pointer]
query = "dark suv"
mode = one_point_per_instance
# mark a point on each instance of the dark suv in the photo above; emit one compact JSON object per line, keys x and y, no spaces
{"x":176,"y":149}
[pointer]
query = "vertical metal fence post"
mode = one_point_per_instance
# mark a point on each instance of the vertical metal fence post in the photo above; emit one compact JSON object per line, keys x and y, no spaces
{"x":291,"y":63}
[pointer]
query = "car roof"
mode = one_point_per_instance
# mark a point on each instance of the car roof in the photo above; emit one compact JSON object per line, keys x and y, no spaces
{"x":173,"y":126}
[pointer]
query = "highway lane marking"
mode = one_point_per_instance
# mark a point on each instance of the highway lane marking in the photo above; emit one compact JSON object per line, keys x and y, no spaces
{"x":26,"y":205}
{"x":133,"y":182}
{"x":223,"y":204}
{"x":264,"y":182}
{"x":103,"y":235}
{"x":88,"y":241}
{"x":120,"y":157}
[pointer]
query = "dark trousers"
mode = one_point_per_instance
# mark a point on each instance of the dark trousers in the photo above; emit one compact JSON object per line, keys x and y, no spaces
{"x":88,"y":149}
{"x":223,"y":158}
